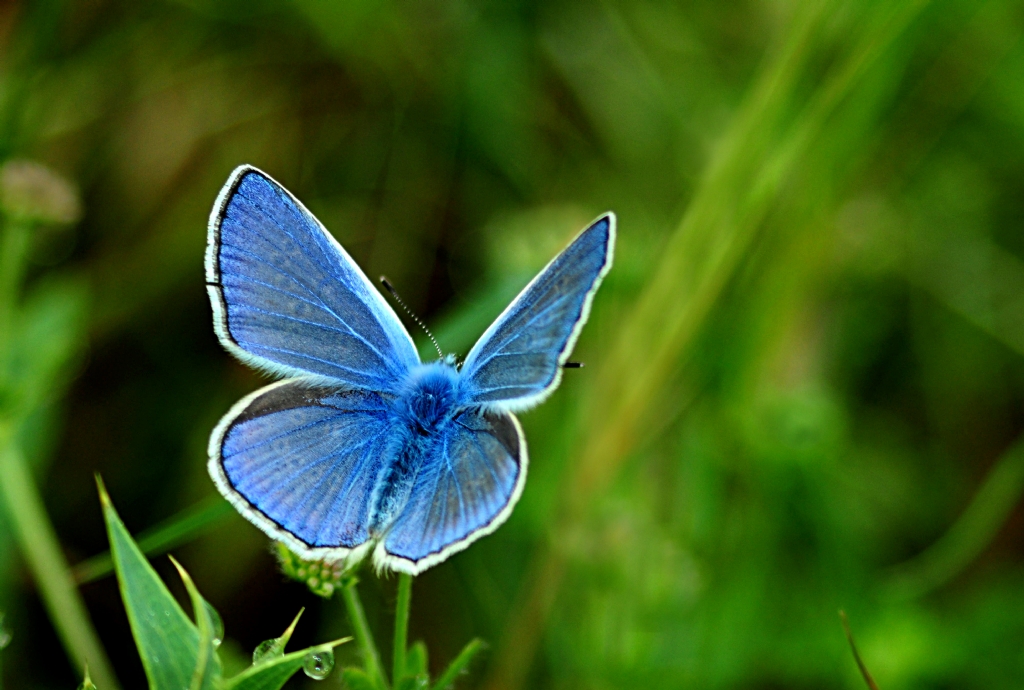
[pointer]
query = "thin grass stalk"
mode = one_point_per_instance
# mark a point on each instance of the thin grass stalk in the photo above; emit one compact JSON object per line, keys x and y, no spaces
{"x":402,"y":605}
{"x":363,"y":635}
{"x":39,"y":545}
{"x":657,"y":332}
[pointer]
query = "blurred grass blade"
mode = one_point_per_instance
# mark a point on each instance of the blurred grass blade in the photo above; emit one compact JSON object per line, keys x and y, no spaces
{"x":856,"y":655}
{"x":207,"y":672}
{"x":274,"y":673}
{"x":168,"y":642}
{"x":999,"y":493}
{"x":698,"y":262}
{"x":182,"y":528}
{"x":42,"y":551}
{"x":459,"y":665}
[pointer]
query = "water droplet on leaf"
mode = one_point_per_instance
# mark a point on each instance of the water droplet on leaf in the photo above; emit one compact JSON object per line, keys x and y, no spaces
{"x":267,"y":650}
{"x":318,"y":665}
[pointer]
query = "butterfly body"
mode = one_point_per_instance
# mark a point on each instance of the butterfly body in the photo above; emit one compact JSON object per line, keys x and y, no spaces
{"x":364,"y":446}
{"x":420,"y":419}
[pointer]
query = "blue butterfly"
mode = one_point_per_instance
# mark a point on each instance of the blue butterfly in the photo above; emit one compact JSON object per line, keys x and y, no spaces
{"x":363,"y":446}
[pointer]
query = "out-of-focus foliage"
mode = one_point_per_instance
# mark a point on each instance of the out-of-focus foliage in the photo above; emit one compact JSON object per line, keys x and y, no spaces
{"x":804,"y":387}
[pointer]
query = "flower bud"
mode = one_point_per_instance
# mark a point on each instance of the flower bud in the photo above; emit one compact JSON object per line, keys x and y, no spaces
{"x":31,"y":191}
{"x":322,"y":577}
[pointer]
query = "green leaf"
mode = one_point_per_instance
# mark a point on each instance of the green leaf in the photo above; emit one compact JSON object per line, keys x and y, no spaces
{"x":87,"y":683}
{"x":274,"y":673}
{"x":271,"y":649}
{"x":416,"y":659}
{"x":207,"y":671}
{"x":168,"y":641}
{"x":357,"y":679}
{"x":417,"y":682}
{"x":459,"y":665}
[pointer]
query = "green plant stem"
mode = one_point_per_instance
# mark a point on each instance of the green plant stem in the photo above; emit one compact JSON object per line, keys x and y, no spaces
{"x":38,"y":541}
{"x":364,"y":638}
{"x":401,"y":626}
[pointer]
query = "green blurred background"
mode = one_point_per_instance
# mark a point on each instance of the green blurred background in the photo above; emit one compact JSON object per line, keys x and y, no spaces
{"x":804,"y":387}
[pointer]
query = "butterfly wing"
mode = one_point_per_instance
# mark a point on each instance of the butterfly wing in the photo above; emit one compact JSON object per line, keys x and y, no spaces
{"x":518,"y":361}
{"x":301,"y":463}
{"x":461,"y":493}
{"x":288,"y":299}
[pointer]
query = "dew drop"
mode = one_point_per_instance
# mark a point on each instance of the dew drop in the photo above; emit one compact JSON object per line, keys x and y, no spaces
{"x":267,"y":650}
{"x":318,"y":665}
{"x":218,"y":624}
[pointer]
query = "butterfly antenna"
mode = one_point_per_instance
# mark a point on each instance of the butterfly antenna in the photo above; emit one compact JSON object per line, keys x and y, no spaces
{"x":394,"y":293}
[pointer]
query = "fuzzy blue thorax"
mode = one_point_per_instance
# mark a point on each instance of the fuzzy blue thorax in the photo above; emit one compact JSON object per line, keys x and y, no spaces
{"x":429,"y":395}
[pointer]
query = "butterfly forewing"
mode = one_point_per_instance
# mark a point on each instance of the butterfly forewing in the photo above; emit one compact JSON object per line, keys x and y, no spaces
{"x":287,"y":298}
{"x":517,"y":362}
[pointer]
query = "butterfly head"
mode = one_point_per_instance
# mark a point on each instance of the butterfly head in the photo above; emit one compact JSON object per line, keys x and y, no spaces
{"x":430,"y":394}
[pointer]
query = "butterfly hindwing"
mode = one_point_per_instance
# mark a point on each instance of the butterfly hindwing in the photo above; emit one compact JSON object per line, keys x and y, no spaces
{"x":518,"y":360}
{"x":302,"y":462}
{"x":288,"y":299}
{"x":461,"y":493}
